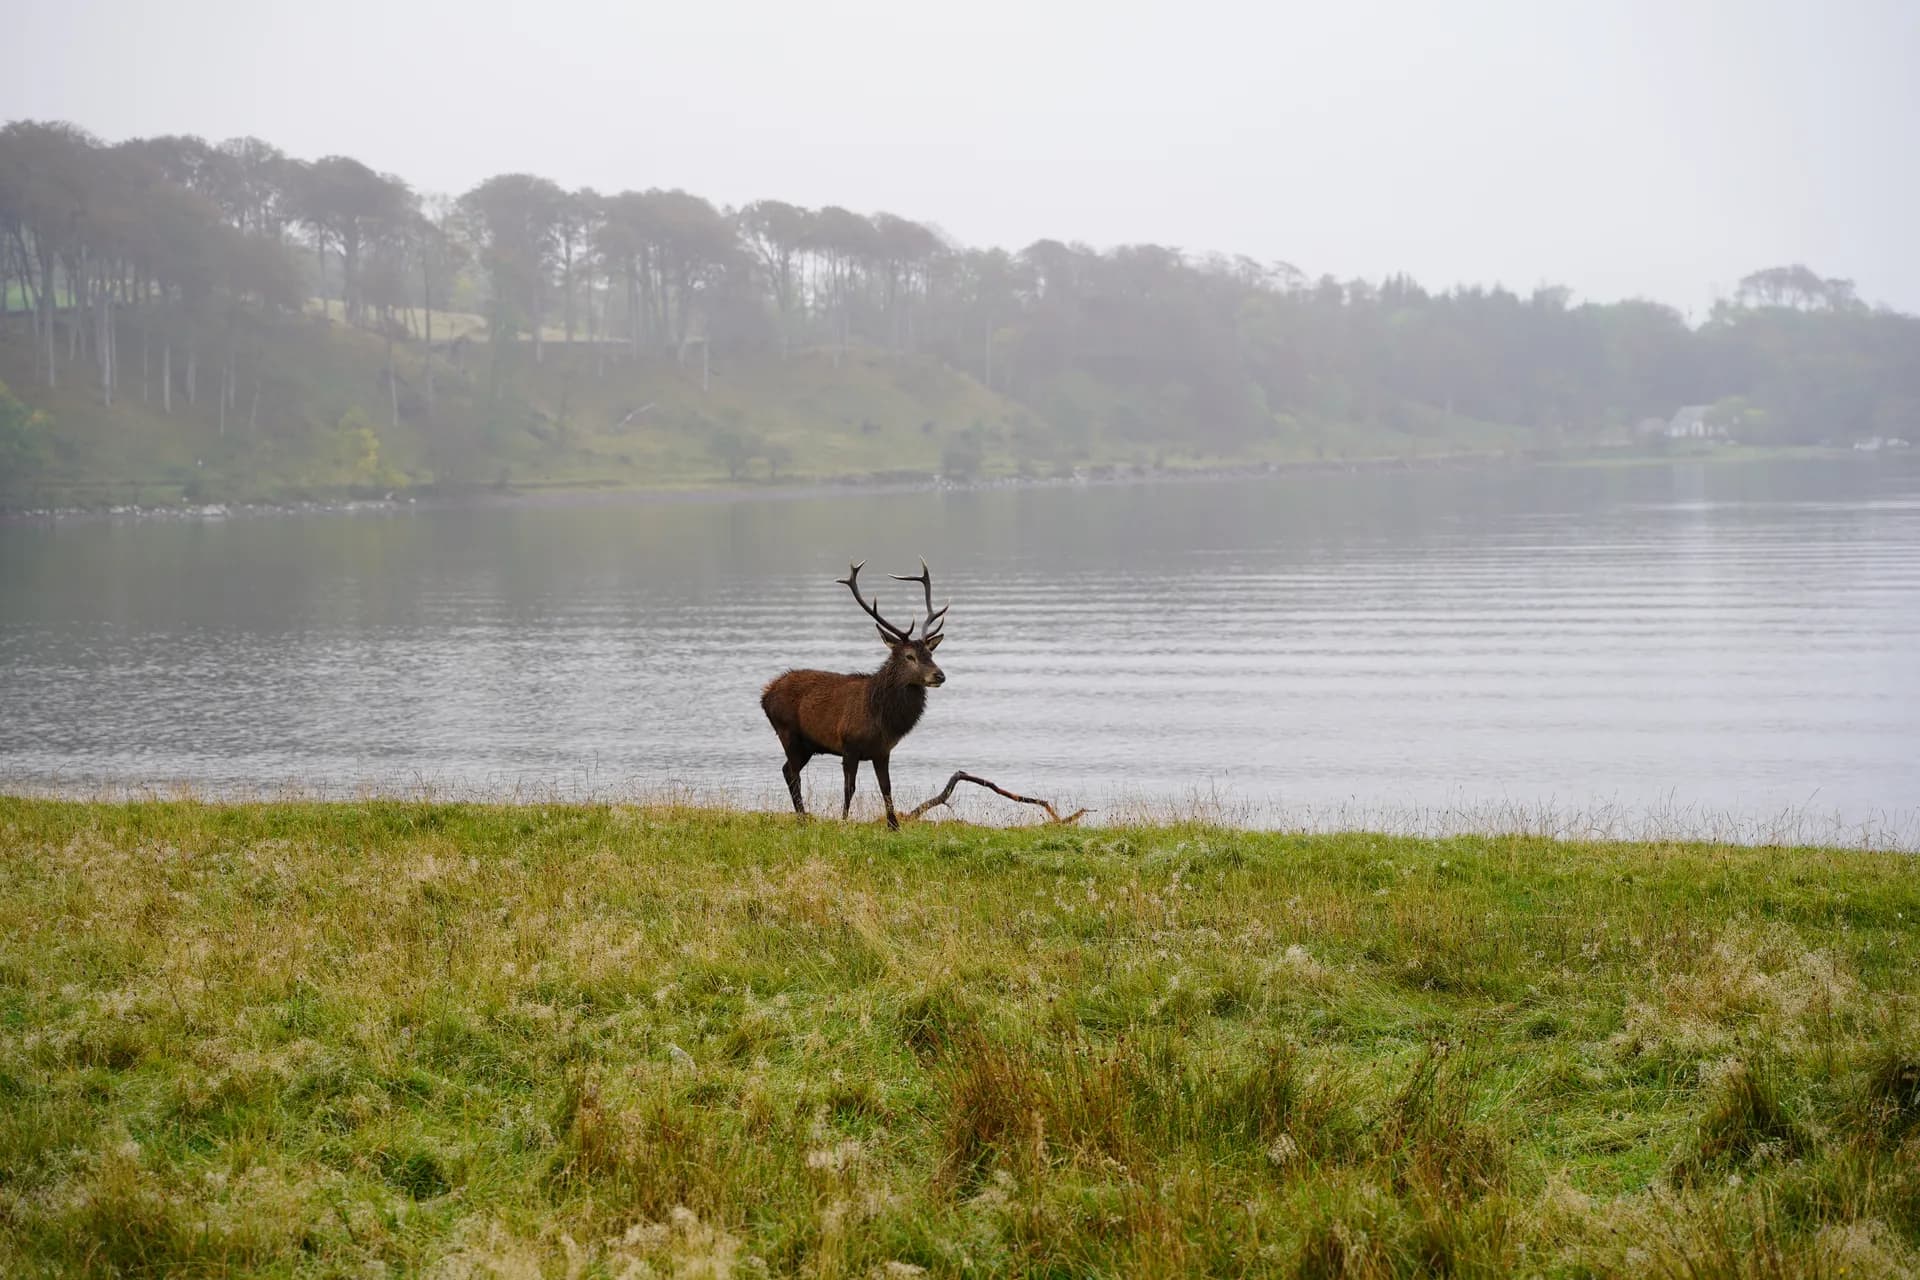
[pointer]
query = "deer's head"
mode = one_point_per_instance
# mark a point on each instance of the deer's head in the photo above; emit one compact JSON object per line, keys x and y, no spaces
{"x":909,"y":660}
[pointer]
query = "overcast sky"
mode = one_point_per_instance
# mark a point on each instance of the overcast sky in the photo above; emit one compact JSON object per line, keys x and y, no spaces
{"x":1657,"y":149}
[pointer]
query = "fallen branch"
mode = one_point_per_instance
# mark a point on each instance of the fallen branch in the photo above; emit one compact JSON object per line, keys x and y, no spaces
{"x":946,"y":794}
{"x":634,"y":413}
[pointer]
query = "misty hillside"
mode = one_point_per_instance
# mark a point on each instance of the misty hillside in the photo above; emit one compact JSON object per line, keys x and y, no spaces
{"x":191,"y":320}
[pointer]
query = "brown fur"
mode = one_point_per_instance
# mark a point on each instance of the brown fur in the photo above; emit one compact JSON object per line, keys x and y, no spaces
{"x":855,"y":717}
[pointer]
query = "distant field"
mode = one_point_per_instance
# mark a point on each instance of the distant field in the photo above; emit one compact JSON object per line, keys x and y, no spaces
{"x":17,"y":299}
{"x":1715,"y":453}
{"x":447,"y":325}
{"x":301,"y":1039}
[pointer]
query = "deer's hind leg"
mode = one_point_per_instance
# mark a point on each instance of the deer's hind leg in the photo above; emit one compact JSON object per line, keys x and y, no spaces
{"x":798,"y":753}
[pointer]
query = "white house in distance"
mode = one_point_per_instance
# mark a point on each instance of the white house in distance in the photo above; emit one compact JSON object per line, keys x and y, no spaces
{"x":1690,"y":422}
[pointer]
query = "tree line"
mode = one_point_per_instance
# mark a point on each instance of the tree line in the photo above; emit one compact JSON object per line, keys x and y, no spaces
{"x":147,"y":262}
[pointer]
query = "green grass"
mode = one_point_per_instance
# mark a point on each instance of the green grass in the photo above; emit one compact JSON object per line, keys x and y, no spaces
{"x":571,"y":421}
{"x":1694,"y":451}
{"x":18,"y":301}
{"x":447,"y":325}
{"x":310,"y":1039}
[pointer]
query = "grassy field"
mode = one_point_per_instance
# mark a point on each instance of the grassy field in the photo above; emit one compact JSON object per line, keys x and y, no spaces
{"x":395,"y":1038}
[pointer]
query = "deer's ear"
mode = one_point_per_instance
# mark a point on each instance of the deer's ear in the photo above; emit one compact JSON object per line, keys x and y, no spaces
{"x":887,"y":640}
{"x":934,"y":643}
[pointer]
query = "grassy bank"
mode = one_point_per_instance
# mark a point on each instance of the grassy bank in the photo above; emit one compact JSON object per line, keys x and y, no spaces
{"x":337,"y":1039}
{"x":313,"y":414}
{"x":1698,"y":452}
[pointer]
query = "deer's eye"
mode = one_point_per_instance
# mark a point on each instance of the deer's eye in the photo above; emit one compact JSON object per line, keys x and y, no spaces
{"x":913,"y":657}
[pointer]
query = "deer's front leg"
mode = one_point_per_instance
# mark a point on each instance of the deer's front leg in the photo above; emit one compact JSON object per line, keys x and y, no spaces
{"x":851,"y":767}
{"x":886,"y":789}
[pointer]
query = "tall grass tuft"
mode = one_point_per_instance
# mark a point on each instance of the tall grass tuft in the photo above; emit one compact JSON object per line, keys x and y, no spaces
{"x":1893,"y":1092}
{"x":1745,"y":1125}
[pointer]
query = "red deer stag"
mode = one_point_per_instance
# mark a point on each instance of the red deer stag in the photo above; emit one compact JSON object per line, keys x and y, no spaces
{"x":859,"y":717}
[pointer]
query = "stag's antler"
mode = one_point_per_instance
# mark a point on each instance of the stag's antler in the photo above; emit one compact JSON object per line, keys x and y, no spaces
{"x":931,"y":627}
{"x":852,"y":583}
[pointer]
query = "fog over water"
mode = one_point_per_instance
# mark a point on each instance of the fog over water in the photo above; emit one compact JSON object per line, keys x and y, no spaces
{"x":1723,"y":648}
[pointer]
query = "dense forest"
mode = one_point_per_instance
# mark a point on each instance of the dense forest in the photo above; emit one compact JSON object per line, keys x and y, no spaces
{"x":302,"y":310}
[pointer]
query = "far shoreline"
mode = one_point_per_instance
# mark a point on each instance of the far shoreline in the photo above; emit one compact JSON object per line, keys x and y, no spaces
{"x":589,"y":493}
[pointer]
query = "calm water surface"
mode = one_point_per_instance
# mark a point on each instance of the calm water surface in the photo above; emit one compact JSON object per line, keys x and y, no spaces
{"x":1733,"y":643}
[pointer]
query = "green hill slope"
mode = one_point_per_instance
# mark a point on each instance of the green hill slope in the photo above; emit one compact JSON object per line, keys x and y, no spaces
{"x":312,"y":412}
{"x":309,"y":411}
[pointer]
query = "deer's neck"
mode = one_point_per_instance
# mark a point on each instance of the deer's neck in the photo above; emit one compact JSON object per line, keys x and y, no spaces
{"x":895,"y":702}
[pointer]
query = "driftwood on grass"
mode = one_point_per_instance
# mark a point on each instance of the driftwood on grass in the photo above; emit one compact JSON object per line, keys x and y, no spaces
{"x":946,"y":794}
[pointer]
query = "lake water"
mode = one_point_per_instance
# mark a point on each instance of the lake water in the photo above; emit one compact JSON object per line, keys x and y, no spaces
{"x":1729,"y":649}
